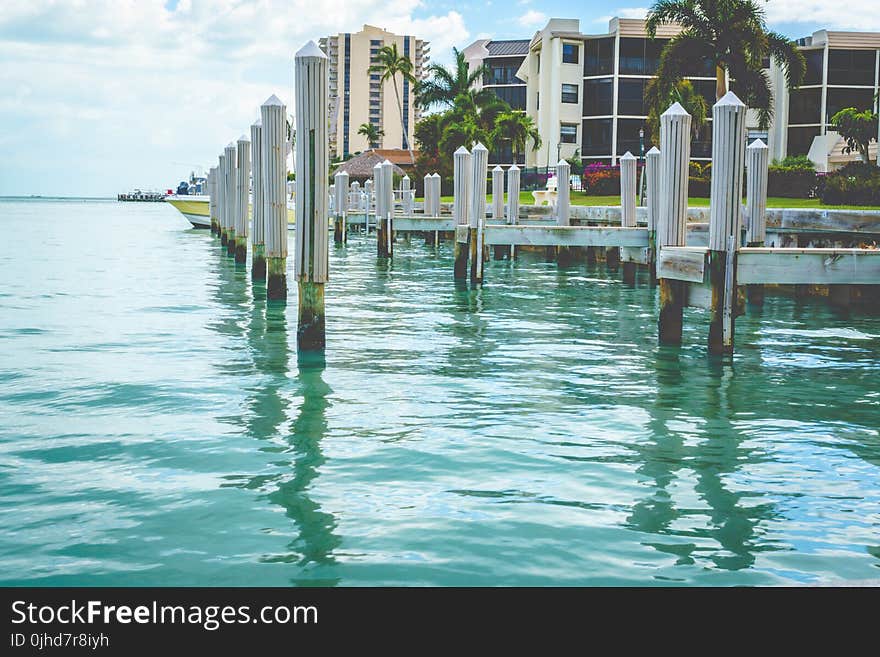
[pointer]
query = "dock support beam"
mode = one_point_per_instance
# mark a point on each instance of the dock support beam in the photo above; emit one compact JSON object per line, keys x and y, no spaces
{"x":628,"y":207}
{"x":273,"y":116}
{"x":675,"y":152}
{"x":757,"y":161}
{"x":258,"y":238}
{"x":725,"y":217}
{"x":311,"y":255}
{"x":460,"y":207}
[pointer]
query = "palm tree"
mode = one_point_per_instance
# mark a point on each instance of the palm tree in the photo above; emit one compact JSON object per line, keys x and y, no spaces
{"x":390,"y":63}
{"x":519,"y":128}
{"x":372,"y":132}
{"x":732,"y":35}
{"x":444,"y":86}
{"x":658,"y":98}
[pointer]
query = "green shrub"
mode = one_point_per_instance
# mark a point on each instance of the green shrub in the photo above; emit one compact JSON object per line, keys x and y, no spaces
{"x":857,"y":183}
{"x":791,"y":181}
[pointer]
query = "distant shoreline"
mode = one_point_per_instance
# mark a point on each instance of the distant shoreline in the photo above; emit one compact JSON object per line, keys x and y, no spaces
{"x":56,"y":198}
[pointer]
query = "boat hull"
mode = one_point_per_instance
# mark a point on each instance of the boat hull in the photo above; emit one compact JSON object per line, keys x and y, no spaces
{"x":197,"y":211}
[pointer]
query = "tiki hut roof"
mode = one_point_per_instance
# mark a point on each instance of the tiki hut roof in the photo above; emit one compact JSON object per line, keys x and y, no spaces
{"x":360,"y":167}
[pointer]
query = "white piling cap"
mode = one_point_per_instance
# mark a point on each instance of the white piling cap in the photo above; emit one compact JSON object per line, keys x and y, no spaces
{"x":514,"y":168}
{"x":562,"y":163}
{"x":243,"y":138}
{"x":730,"y":98}
{"x":757,"y":144}
{"x":272,"y":100}
{"x":480,"y":147}
{"x":627,"y":156}
{"x":258,"y":123}
{"x":498,"y":168}
{"x":435,"y":175}
{"x":675,"y":109}
{"x":653,"y":150}
{"x":462,"y":151}
{"x":378,"y":165}
{"x":231,"y":145}
{"x":405,"y":177}
{"x":311,"y":49}
{"x":387,"y":163}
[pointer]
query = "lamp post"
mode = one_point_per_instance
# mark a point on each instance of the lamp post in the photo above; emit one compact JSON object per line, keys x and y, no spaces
{"x":642,"y":162}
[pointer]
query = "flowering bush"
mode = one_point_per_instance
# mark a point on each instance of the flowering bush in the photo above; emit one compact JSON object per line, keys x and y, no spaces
{"x":601,"y":179}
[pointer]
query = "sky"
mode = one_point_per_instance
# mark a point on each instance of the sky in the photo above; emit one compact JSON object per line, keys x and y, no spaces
{"x":102,"y":96}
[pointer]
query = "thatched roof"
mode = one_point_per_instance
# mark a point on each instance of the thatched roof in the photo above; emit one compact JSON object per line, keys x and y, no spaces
{"x":360,"y":167}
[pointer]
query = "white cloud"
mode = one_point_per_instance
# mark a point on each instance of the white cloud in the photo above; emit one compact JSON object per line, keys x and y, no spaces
{"x":532,"y":18}
{"x":106,"y":94}
{"x":857,"y":15}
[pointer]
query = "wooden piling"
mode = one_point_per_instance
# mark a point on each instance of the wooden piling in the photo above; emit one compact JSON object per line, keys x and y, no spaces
{"x":725,"y":217}
{"x":406,"y":196}
{"x":312,"y":253}
{"x":479,"y":170}
{"x":212,"y":200}
{"x":652,"y":183}
{"x":564,"y":254}
{"x":273,"y":116}
{"x":460,"y":207}
{"x":340,"y":206}
{"x":513,"y":174}
{"x":221,"y":199}
{"x":675,"y":151}
{"x":258,"y":234}
{"x":628,"y":195}
{"x":231,"y":199}
{"x":498,"y":206}
{"x":388,"y":205}
{"x":757,"y":161}
{"x":242,"y":198}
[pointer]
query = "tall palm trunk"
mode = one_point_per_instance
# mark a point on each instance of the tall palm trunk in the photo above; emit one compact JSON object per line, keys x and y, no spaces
{"x":412,"y":158}
{"x":720,"y":83}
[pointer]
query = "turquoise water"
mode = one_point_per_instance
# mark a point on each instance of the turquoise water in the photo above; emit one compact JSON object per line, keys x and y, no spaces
{"x":155,"y":428}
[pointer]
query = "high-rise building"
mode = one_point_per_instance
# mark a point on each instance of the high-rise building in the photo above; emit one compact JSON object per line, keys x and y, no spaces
{"x":358,"y":96}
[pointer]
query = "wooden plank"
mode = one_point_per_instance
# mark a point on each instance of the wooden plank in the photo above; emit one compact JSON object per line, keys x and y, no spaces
{"x":417,"y":223}
{"x":808,"y":266}
{"x":462,"y":233}
{"x":566,"y":235}
{"x":682,"y":263}
{"x":846,"y":221}
{"x":699,"y":295}
{"x":637,"y":254}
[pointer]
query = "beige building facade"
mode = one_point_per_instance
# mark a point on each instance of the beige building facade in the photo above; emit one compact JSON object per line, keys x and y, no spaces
{"x":358,"y":96}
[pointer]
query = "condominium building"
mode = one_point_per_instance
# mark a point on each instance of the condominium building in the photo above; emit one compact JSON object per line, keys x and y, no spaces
{"x":358,"y":96}
{"x":843,"y":70}
{"x":586,"y":91}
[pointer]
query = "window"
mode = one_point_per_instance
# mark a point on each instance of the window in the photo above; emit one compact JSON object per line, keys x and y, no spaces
{"x":839,"y":99}
{"x":598,"y":57}
{"x":598,"y":97}
{"x":640,"y":56}
{"x":513,"y":96}
{"x":814,"y":66}
{"x":805,"y":106}
{"x":628,"y":137}
{"x":800,"y":140}
{"x":569,"y":53}
{"x":537,"y":100}
{"x":503,"y":71}
{"x":596,"y":137}
{"x":631,"y":97}
{"x":701,"y":145}
{"x":375,"y":76}
{"x":569,"y":93}
{"x":568,"y":133}
{"x":851,"y":67}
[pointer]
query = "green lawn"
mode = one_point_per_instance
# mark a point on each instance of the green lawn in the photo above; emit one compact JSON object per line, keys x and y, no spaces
{"x":579,"y":198}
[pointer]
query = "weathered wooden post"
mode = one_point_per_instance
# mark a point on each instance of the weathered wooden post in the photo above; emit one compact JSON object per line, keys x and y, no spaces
{"x":479,"y":171}
{"x":381,"y":240}
{"x":757,"y":161}
{"x":498,"y":205}
{"x":461,"y":198}
{"x":211,"y":199}
{"x":312,"y":252}
{"x":388,"y":205}
{"x":675,"y":154}
{"x":407,"y":195}
{"x":628,"y":207}
{"x":221,"y":199}
{"x":725,"y":216}
{"x":652,"y":175}
{"x":340,"y":206}
{"x":242,"y":194}
{"x":512,"y":200}
{"x":356,"y":195}
{"x":563,"y":207}
{"x":435,"y":181}
{"x":274,"y":169}
{"x":231,"y":199}
{"x":258,"y":238}
{"x":428,"y":195}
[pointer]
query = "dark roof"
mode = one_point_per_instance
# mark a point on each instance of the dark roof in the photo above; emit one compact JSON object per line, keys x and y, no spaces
{"x":513,"y":47}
